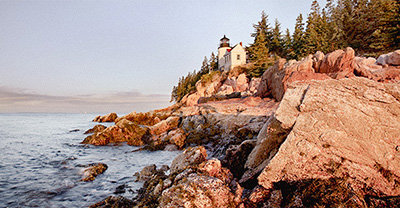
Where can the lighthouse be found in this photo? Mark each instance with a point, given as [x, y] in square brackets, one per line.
[229, 57]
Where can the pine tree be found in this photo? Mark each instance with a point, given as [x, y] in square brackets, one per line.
[262, 38]
[287, 44]
[260, 56]
[213, 63]
[316, 34]
[263, 27]
[277, 41]
[335, 34]
[298, 41]
[205, 67]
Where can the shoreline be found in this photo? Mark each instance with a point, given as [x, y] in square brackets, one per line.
[297, 134]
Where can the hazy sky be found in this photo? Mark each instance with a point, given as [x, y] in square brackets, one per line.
[116, 56]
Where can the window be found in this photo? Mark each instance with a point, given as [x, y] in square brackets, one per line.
[238, 57]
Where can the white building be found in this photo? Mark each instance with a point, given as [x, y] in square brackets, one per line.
[229, 57]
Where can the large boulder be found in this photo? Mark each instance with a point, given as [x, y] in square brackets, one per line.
[207, 184]
[190, 157]
[234, 84]
[177, 137]
[236, 156]
[271, 81]
[304, 65]
[193, 182]
[165, 125]
[200, 191]
[242, 83]
[123, 131]
[339, 63]
[392, 58]
[368, 67]
[276, 78]
[107, 118]
[253, 85]
[148, 118]
[344, 129]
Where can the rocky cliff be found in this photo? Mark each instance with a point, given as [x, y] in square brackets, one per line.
[322, 131]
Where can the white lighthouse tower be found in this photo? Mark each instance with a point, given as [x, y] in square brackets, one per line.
[223, 47]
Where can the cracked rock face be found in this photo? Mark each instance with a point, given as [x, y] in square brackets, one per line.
[348, 128]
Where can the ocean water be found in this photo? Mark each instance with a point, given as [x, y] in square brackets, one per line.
[41, 158]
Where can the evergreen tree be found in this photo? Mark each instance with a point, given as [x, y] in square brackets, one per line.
[260, 56]
[298, 41]
[205, 67]
[316, 34]
[277, 41]
[262, 38]
[287, 44]
[333, 31]
[213, 63]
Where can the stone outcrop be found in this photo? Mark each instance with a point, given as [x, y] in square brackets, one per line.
[165, 125]
[307, 133]
[148, 118]
[193, 182]
[107, 118]
[123, 131]
[276, 78]
[190, 157]
[92, 170]
[338, 64]
[96, 129]
[350, 132]
[222, 86]
[147, 172]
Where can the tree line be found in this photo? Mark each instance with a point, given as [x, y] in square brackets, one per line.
[370, 27]
[187, 84]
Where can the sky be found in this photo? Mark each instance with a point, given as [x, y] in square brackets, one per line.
[119, 56]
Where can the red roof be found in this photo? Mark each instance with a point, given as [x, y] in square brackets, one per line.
[229, 50]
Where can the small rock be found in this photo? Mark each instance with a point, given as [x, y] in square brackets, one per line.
[120, 189]
[146, 173]
[93, 170]
[171, 147]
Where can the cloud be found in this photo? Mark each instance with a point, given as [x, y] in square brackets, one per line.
[20, 100]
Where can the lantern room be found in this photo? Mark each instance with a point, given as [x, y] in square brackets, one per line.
[224, 42]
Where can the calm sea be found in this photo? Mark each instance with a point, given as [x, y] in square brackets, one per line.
[41, 158]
